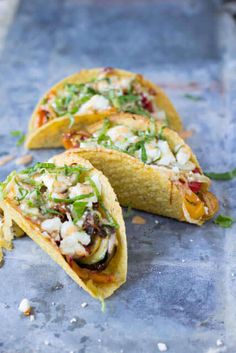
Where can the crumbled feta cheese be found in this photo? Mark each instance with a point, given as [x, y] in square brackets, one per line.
[52, 225]
[71, 245]
[69, 229]
[83, 305]
[153, 151]
[162, 347]
[25, 307]
[124, 83]
[122, 136]
[80, 189]
[33, 211]
[96, 103]
[59, 184]
[73, 320]
[183, 155]
[32, 317]
[175, 169]
[167, 156]
[219, 343]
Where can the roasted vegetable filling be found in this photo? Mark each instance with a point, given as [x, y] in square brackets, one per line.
[152, 148]
[107, 92]
[66, 204]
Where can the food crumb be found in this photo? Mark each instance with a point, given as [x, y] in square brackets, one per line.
[24, 160]
[53, 303]
[183, 260]
[25, 307]
[162, 347]
[32, 317]
[232, 274]
[83, 305]
[99, 340]
[4, 160]
[185, 134]
[219, 343]
[46, 342]
[191, 240]
[138, 220]
[73, 320]
[156, 221]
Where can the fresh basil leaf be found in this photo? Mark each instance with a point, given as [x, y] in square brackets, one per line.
[224, 221]
[222, 176]
[20, 135]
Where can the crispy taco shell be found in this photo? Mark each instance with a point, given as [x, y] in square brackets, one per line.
[49, 134]
[143, 186]
[99, 285]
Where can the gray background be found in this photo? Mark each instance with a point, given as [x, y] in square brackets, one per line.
[181, 283]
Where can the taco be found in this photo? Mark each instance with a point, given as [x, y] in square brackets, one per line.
[94, 93]
[70, 210]
[149, 166]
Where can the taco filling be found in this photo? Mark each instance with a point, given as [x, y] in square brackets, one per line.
[107, 92]
[150, 145]
[66, 205]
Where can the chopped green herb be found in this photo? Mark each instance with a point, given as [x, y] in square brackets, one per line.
[224, 221]
[193, 97]
[112, 221]
[178, 149]
[160, 133]
[143, 153]
[23, 194]
[106, 126]
[72, 200]
[51, 167]
[72, 120]
[128, 212]
[78, 209]
[94, 186]
[51, 211]
[222, 176]
[20, 135]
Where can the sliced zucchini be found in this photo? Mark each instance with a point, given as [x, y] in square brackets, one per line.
[97, 256]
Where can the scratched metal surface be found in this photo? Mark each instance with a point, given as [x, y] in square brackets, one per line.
[181, 285]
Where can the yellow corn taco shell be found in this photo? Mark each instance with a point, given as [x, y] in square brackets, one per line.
[117, 267]
[49, 134]
[145, 187]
